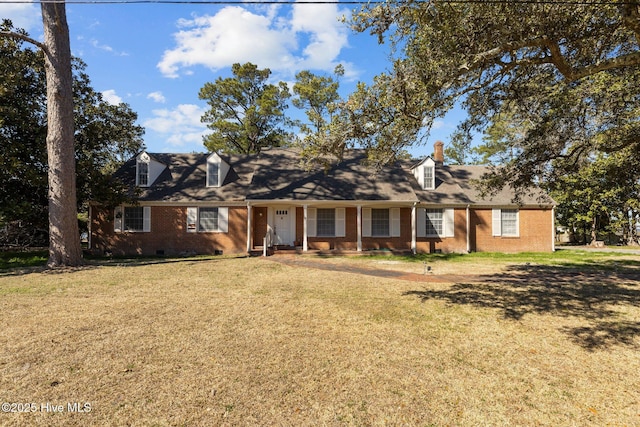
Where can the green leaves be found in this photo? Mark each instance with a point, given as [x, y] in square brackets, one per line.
[564, 75]
[105, 135]
[246, 113]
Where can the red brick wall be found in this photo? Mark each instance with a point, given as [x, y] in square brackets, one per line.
[457, 243]
[535, 232]
[350, 240]
[168, 234]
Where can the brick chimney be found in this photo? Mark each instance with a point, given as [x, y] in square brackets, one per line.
[438, 152]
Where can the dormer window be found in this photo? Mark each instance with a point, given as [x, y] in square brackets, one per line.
[142, 170]
[217, 170]
[213, 174]
[429, 177]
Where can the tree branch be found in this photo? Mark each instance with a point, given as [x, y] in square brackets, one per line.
[555, 56]
[18, 36]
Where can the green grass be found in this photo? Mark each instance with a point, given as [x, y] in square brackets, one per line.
[12, 259]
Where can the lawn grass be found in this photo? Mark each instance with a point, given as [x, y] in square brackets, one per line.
[249, 341]
[14, 259]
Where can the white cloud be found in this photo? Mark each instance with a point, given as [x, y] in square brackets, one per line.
[111, 97]
[181, 127]
[157, 97]
[23, 15]
[438, 124]
[310, 38]
[96, 44]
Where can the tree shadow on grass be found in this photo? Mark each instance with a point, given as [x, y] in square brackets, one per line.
[593, 294]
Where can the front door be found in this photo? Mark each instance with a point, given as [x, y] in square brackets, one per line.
[282, 226]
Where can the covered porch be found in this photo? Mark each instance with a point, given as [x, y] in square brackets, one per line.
[331, 227]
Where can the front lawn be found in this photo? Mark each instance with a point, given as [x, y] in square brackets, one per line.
[249, 341]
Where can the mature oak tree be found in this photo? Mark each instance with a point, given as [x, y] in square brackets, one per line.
[246, 112]
[569, 71]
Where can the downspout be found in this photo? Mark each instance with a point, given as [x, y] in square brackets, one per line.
[468, 229]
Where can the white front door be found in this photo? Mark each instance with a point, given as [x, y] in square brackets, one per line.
[282, 226]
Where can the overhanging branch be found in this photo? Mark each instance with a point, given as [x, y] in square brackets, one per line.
[18, 36]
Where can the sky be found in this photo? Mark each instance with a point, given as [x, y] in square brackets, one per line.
[156, 57]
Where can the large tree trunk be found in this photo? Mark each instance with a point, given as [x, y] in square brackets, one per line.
[64, 237]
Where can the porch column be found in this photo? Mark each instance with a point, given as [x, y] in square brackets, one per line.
[359, 227]
[414, 232]
[305, 243]
[468, 230]
[249, 227]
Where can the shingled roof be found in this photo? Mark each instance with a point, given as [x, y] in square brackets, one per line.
[279, 174]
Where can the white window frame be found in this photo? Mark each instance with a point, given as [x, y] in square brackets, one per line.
[430, 217]
[119, 219]
[319, 220]
[429, 181]
[139, 173]
[210, 164]
[497, 219]
[448, 223]
[394, 222]
[374, 232]
[193, 219]
[339, 225]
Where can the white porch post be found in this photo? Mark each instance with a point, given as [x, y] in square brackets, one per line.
[305, 243]
[359, 227]
[414, 232]
[249, 231]
[468, 230]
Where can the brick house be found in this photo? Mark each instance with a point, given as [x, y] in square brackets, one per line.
[211, 203]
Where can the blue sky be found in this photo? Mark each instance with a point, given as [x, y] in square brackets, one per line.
[156, 57]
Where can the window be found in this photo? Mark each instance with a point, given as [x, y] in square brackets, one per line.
[429, 178]
[509, 222]
[208, 219]
[143, 173]
[326, 222]
[380, 222]
[506, 222]
[213, 174]
[133, 218]
[435, 222]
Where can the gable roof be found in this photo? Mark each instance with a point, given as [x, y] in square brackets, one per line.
[280, 175]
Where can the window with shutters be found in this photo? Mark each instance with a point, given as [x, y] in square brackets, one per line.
[380, 222]
[435, 222]
[326, 223]
[509, 222]
[133, 218]
[208, 219]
